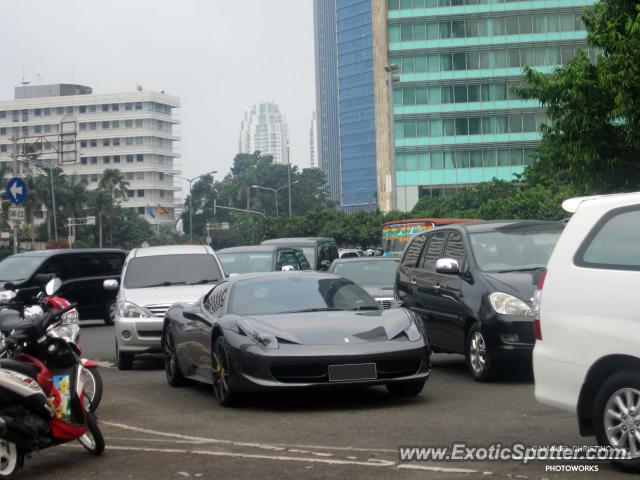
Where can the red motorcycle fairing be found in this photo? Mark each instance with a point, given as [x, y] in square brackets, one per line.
[88, 363]
[65, 432]
[44, 376]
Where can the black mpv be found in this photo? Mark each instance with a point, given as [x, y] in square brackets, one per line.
[472, 284]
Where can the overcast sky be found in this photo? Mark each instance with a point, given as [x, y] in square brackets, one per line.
[218, 56]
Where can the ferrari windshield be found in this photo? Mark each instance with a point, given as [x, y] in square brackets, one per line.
[297, 293]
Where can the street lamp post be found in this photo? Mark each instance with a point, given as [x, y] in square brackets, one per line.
[392, 77]
[190, 181]
[275, 191]
[49, 164]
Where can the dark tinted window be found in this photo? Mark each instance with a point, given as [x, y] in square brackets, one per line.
[368, 273]
[412, 254]
[113, 263]
[60, 266]
[328, 251]
[616, 243]
[215, 299]
[166, 270]
[86, 265]
[434, 250]
[455, 248]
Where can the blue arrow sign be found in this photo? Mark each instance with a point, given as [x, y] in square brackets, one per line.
[16, 190]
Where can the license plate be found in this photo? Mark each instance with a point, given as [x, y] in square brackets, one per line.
[356, 371]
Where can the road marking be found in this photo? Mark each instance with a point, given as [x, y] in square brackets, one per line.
[409, 466]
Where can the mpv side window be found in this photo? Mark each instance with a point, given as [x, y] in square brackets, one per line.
[286, 257]
[113, 263]
[455, 248]
[434, 250]
[58, 265]
[412, 255]
[613, 243]
[86, 265]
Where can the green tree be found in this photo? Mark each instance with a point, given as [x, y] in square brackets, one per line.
[592, 141]
[113, 184]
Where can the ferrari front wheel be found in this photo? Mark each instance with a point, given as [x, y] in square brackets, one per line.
[222, 386]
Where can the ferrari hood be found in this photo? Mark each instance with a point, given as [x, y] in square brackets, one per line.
[329, 328]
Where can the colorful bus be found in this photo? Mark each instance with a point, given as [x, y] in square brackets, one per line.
[396, 234]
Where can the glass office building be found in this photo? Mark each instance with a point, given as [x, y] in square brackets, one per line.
[457, 121]
[356, 104]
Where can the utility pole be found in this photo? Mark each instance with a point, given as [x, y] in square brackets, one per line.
[392, 77]
[289, 177]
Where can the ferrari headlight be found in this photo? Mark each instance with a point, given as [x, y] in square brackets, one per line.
[506, 304]
[267, 341]
[131, 310]
[412, 332]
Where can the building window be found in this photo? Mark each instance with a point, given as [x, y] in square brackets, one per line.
[105, 142]
[47, 128]
[130, 193]
[162, 193]
[92, 125]
[139, 157]
[106, 160]
[128, 141]
[94, 177]
[104, 108]
[128, 106]
[139, 140]
[105, 125]
[115, 107]
[37, 112]
[138, 105]
[129, 158]
[138, 123]
[91, 108]
[128, 123]
[46, 112]
[93, 143]
[93, 160]
[82, 109]
[140, 175]
[140, 193]
[38, 128]
[83, 161]
[129, 175]
[83, 126]
[3, 131]
[140, 210]
[59, 111]
[3, 148]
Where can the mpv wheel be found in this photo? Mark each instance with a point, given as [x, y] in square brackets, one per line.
[124, 360]
[617, 417]
[479, 359]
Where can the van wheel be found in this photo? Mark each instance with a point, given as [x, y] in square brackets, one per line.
[124, 360]
[617, 417]
[110, 315]
[479, 359]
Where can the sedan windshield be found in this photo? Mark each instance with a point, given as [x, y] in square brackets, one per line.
[15, 269]
[369, 273]
[509, 251]
[245, 262]
[297, 293]
[168, 270]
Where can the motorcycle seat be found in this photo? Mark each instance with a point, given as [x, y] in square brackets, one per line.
[19, 367]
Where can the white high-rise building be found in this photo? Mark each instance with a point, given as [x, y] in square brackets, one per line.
[133, 132]
[264, 128]
[313, 141]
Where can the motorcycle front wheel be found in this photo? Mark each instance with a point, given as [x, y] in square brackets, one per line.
[92, 440]
[92, 388]
[10, 459]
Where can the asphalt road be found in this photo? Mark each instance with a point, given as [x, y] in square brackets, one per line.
[154, 431]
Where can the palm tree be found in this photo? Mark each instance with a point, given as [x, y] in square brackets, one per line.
[75, 198]
[32, 204]
[114, 184]
[43, 184]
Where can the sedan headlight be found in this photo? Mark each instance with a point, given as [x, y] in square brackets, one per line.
[131, 310]
[412, 332]
[506, 304]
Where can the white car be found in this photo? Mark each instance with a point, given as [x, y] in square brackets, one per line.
[587, 354]
[153, 279]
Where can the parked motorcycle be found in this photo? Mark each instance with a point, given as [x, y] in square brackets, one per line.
[41, 389]
[69, 329]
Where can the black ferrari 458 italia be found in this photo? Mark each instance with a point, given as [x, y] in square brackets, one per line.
[291, 330]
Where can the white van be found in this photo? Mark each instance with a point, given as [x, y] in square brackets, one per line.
[153, 279]
[587, 320]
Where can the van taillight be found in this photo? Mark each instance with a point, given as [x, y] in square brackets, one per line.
[537, 296]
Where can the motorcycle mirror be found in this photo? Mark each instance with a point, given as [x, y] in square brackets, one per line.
[53, 286]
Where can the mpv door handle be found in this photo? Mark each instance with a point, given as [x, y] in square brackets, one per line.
[413, 282]
[436, 287]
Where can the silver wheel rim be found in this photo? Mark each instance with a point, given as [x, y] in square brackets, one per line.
[88, 441]
[477, 353]
[112, 311]
[170, 356]
[622, 420]
[8, 457]
[89, 387]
